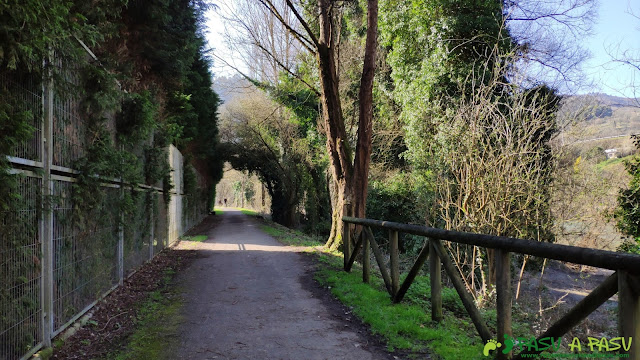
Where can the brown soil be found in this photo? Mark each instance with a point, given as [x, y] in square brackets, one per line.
[563, 285]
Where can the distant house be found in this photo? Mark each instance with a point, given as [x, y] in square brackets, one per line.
[611, 153]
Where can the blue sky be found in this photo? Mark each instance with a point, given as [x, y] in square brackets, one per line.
[616, 30]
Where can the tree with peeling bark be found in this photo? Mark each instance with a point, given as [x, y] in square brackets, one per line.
[349, 169]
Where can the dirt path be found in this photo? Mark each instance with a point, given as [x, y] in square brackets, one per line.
[246, 298]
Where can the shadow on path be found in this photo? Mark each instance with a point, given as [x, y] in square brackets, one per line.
[244, 299]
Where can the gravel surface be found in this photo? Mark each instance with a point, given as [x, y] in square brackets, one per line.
[248, 297]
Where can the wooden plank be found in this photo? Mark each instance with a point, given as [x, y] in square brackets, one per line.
[503, 300]
[592, 257]
[366, 277]
[346, 239]
[586, 306]
[415, 269]
[435, 277]
[380, 260]
[629, 310]
[394, 259]
[466, 298]
[356, 249]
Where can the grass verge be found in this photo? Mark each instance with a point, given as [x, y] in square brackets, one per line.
[290, 237]
[194, 238]
[406, 326]
[249, 212]
[156, 325]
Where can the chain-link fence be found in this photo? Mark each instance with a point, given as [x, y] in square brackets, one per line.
[58, 258]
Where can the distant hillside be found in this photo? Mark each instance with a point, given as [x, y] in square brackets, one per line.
[615, 101]
[595, 116]
[229, 87]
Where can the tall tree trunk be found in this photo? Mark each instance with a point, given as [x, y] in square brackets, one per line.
[365, 115]
[337, 142]
[351, 179]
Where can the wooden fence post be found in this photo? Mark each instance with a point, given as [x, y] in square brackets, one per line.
[365, 257]
[346, 237]
[435, 276]
[395, 266]
[503, 300]
[629, 310]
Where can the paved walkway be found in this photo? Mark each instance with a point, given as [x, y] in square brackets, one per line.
[244, 299]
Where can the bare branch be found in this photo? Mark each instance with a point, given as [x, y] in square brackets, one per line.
[308, 44]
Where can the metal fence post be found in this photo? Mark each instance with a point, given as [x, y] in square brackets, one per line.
[120, 250]
[46, 221]
[152, 223]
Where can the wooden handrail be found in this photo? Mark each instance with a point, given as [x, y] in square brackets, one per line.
[574, 254]
[625, 281]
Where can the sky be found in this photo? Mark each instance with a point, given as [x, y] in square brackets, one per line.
[615, 30]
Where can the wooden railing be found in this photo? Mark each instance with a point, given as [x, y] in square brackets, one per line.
[625, 280]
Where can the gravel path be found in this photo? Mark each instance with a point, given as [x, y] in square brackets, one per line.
[246, 298]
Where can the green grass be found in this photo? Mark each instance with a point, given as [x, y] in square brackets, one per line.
[156, 326]
[218, 211]
[291, 237]
[405, 326]
[249, 212]
[195, 238]
[611, 162]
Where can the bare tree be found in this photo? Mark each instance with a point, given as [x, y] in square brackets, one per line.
[495, 161]
[259, 39]
[629, 58]
[349, 169]
[550, 34]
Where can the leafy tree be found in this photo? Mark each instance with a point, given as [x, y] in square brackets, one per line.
[628, 212]
[476, 135]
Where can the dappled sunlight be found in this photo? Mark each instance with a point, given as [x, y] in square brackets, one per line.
[231, 247]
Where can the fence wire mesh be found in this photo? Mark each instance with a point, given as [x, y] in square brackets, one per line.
[68, 126]
[137, 234]
[161, 228]
[84, 252]
[20, 276]
[84, 237]
[24, 92]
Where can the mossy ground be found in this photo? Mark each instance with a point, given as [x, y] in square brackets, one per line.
[156, 326]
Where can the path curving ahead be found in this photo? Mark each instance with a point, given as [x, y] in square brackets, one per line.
[246, 298]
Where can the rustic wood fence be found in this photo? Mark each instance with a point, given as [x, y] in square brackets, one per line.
[625, 281]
